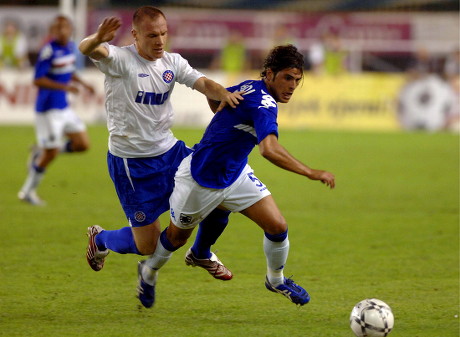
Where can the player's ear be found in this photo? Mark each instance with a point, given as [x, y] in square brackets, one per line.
[269, 74]
[134, 34]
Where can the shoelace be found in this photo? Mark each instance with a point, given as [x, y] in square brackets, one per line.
[290, 282]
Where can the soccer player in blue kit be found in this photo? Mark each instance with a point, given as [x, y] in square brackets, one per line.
[217, 175]
[143, 153]
[55, 76]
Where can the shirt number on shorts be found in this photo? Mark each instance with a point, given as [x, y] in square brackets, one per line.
[255, 179]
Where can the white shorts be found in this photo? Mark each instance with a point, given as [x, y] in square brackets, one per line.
[190, 203]
[52, 125]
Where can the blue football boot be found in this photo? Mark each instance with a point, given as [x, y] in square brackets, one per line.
[145, 291]
[294, 292]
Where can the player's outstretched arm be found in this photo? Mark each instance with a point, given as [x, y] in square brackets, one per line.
[91, 45]
[214, 91]
[274, 152]
[213, 105]
[48, 83]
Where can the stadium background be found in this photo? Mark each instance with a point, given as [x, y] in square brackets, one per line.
[389, 230]
[380, 43]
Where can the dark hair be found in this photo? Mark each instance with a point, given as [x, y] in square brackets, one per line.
[149, 11]
[283, 57]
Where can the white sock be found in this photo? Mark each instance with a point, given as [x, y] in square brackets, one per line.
[149, 275]
[32, 181]
[276, 254]
[159, 258]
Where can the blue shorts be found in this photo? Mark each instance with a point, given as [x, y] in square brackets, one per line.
[144, 185]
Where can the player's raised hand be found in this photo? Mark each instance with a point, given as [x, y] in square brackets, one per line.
[231, 98]
[108, 28]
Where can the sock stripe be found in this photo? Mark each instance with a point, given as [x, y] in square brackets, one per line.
[166, 243]
[38, 169]
[277, 237]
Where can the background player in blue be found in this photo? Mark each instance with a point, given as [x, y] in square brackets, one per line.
[216, 174]
[143, 152]
[55, 77]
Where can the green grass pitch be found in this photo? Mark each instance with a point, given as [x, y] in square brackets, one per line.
[390, 230]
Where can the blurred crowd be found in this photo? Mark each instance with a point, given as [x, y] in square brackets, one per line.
[13, 47]
[432, 80]
[327, 55]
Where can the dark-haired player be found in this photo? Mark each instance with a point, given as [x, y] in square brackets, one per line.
[217, 174]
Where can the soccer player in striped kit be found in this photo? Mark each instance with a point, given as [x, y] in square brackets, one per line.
[55, 77]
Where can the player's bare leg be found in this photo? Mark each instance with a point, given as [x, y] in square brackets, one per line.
[78, 141]
[47, 156]
[266, 214]
[146, 237]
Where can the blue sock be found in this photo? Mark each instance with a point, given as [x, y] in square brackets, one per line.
[38, 169]
[166, 243]
[160, 256]
[120, 241]
[277, 237]
[67, 147]
[208, 232]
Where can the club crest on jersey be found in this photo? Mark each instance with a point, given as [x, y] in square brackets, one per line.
[139, 216]
[168, 76]
[246, 87]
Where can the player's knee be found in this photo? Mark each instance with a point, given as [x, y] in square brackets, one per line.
[277, 226]
[78, 142]
[81, 146]
[84, 147]
[275, 230]
[177, 237]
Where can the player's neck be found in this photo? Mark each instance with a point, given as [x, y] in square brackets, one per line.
[267, 85]
[61, 42]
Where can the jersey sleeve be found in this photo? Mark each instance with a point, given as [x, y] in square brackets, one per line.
[185, 73]
[113, 64]
[43, 64]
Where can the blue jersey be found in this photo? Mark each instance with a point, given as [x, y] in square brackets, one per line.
[58, 64]
[223, 151]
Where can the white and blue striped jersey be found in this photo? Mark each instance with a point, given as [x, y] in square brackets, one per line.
[138, 105]
[56, 62]
[222, 153]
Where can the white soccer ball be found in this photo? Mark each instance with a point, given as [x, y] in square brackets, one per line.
[371, 318]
